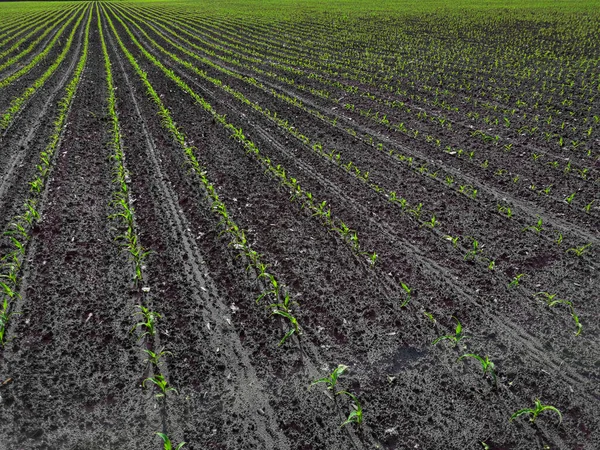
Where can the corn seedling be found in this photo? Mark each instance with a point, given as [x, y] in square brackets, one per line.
[4, 318]
[408, 291]
[471, 254]
[515, 281]
[551, 303]
[454, 240]
[154, 357]
[274, 290]
[559, 239]
[537, 227]
[535, 411]
[331, 380]
[432, 223]
[295, 328]
[456, 338]
[167, 442]
[355, 416]
[162, 384]
[570, 198]
[578, 251]
[486, 364]
[149, 323]
[588, 207]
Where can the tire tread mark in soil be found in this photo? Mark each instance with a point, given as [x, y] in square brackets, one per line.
[206, 294]
[527, 340]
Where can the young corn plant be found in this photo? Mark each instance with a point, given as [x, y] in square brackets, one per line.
[486, 364]
[578, 251]
[162, 384]
[456, 338]
[4, 318]
[551, 303]
[472, 254]
[154, 357]
[432, 222]
[355, 416]
[149, 321]
[570, 198]
[537, 227]
[295, 329]
[515, 281]
[408, 292]
[331, 380]
[454, 240]
[535, 411]
[168, 445]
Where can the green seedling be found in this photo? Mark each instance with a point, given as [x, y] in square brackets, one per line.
[154, 357]
[570, 198]
[408, 291]
[331, 380]
[578, 251]
[372, 258]
[4, 318]
[515, 281]
[534, 412]
[492, 265]
[149, 323]
[486, 364]
[454, 240]
[162, 384]
[505, 210]
[293, 321]
[471, 254]
[559, 239]
[356, 415]
[167, 442]
[537, 227]
[273, 290]
[588, 207]
[429, 316]
[416, 212]
[456, 338]
[432, 222]
[549, 297]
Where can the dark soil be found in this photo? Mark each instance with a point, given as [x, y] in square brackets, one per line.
[71, 375]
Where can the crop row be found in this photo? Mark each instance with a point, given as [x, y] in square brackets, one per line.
[474, 248]
[21, 227]
[486, 364]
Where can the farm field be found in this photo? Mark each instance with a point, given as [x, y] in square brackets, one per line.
[299, 225]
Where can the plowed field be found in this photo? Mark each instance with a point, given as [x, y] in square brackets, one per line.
[207, 207]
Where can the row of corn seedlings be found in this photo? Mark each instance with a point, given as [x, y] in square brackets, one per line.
[23, 23]
[46, 25]
[21, 227]
[450, 179]
[352, 89]
[17, 103]
[275, 292]
[147, 326]
[316, 207]
[474, 250]
[356, 415]
[6, 81]
[349, 88]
